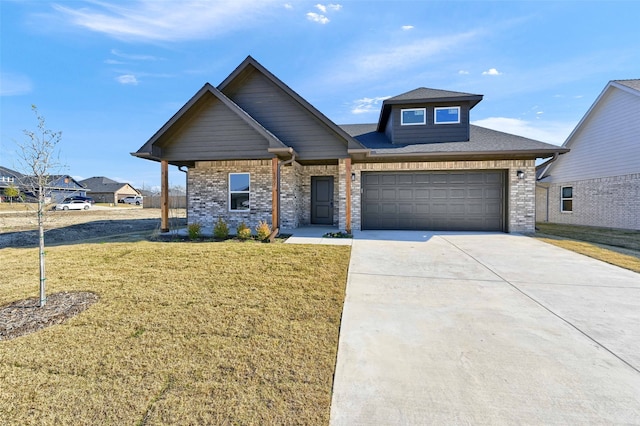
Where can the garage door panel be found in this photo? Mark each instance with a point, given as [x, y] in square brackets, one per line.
[457, 201]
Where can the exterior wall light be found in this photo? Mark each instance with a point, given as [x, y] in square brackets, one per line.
[520, 174]
[353, 177]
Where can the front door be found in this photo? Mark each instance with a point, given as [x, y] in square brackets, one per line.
[322, 200]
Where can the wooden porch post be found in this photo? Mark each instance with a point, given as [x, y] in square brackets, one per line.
[347, 164]
[164, 196]
[275, 195]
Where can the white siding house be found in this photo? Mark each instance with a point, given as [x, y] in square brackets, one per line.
[597, 183]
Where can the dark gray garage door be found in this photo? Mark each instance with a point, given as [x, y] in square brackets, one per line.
[438, 201]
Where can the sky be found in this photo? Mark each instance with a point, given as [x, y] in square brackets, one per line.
[108, 74]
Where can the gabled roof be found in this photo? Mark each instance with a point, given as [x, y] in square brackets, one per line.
[631, 86]
[146, 151]
[250, 64]
[482, 142]
[102, 184]
[424, 95]
[57, 182]
[4, 171]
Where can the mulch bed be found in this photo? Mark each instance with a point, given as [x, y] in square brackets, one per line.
[25, 316]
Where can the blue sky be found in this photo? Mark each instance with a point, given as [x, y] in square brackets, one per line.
[109, 74]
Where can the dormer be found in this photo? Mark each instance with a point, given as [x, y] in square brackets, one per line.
[427, 116]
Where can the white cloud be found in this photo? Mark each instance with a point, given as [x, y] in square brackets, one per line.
[14, 84]
[407, 27]
[463, 72]
[134, 57]
[335, 7]
[127, 79]
[491, 71]
[554, 132]
[380, 61]
[366, 105]
[113, 62]
[315, 17]
[322, 8]
[151, 20]
[288, 6]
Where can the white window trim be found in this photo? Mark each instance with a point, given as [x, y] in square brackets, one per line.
[562, 199]
[435, 115]
[424, 117]
[229, 192]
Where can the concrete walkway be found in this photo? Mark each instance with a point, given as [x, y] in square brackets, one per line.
[463, 328]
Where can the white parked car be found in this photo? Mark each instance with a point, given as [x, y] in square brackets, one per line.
[132, 199]
[73, 205]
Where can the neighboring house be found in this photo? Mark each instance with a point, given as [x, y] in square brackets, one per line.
[598, 182]
[59, 186]
[105, 190]
[254, 150]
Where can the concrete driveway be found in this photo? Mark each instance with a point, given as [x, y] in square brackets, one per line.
[453, 328]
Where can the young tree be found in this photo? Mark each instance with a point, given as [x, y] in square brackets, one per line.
[38, 155]
[11, 192]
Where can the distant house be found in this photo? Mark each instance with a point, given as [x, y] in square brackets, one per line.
[58, 187]
[9, 178]
[105, 190]
[598, 182]
[254, 150]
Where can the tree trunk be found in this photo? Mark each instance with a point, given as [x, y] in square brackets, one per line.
[41, 205]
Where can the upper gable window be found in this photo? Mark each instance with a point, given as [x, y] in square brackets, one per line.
[413, 116]
[446, 115]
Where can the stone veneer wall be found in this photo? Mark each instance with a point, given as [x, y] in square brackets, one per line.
[520, 215]
[291, 195]
[610, 202]
[208, 184]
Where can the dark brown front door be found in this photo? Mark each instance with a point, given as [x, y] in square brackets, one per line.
[322, 200]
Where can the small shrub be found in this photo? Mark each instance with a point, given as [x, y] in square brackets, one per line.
[221, 229]
[243, 231]
[263, 230]
[194, 231]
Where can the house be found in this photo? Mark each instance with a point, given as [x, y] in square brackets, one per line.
[58, 186]
[105, 190]
[598, 182]
[254, 150]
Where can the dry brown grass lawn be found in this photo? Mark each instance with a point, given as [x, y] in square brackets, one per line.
[183, 333]
[597, 252]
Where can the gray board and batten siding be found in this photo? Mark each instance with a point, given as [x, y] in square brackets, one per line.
[429, 132]
[210, 130]
[288, 120]
[451, 201]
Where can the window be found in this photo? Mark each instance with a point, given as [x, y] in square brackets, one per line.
[413, 117]
[238, 191]
[566, 199]
[447, 115]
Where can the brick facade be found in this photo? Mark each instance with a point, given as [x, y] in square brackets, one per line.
[208, 190]
[610, 202]
[208, 184]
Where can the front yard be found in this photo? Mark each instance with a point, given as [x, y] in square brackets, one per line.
[183, 333]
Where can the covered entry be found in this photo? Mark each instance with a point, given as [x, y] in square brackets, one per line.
[438, 201]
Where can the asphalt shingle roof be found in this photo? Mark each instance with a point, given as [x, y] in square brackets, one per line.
[423, 93]
[633, 84]
[481, 140]
[102, 184]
